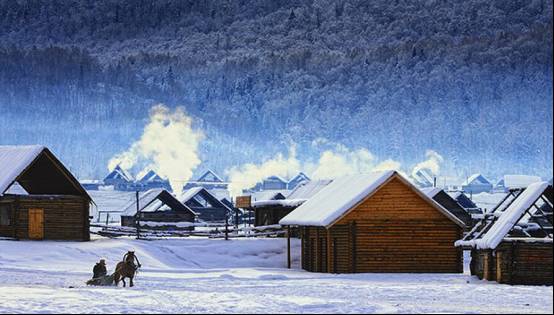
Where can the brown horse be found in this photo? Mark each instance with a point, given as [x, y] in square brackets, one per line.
[126, 269]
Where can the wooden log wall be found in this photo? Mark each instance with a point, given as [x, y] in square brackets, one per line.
[393, 231]
[524, 263]
[65, 217]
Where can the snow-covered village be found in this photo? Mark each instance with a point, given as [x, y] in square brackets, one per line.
[262, 156]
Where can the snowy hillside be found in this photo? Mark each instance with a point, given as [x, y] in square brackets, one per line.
[240, 276]
[471, 80]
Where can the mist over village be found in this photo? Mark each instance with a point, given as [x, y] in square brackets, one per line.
[302, 156]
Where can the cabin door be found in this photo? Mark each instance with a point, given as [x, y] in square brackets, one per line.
[36, 224]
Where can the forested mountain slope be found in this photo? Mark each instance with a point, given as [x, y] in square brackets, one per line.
[470, 79]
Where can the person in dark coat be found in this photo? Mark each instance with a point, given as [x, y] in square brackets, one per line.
[99, 269]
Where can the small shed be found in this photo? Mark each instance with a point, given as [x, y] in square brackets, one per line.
[510, 245]
[208, 207]
[51, 204]
[447, 202]
[378, 222]
[159, 209]
[271, 211]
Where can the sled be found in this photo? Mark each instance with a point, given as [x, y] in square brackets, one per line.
[102, 281]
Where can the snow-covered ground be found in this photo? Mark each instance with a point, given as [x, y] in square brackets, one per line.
[196, 275]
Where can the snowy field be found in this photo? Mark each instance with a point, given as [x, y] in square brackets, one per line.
[195, 275]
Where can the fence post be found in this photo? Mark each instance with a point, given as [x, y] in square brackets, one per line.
[288, 247]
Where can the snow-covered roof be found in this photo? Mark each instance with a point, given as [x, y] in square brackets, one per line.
[343, 194]
[13, 161]
[519, 181]
[193, 192]
[276, 178]
[189, 194]
[151, 176]
[269, 195]
[119, 173]
[282, 202]
[206, 177]
[300, 177]
[431, 192]
[307, 190]
[476, 179]
[145, 200]
[508, 218]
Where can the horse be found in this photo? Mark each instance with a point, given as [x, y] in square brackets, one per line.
[126, 269]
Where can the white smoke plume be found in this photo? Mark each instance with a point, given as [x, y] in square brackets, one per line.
[331, 163]
[169, 146]
[432, 163]
[248, 175]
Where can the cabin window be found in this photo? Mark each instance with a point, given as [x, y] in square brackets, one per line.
[5, 215]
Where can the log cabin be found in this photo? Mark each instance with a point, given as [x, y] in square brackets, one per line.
[50, 204]
[512, 244]
[377, 222]
[158, 209]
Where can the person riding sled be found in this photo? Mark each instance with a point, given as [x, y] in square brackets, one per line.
[100, 274]
[99, 269]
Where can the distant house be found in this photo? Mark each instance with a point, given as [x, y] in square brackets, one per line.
[208, 207]
[476, 184]
[151, 180]
[508, 182]
[297, 180]
[509, 245]
[209, 180]
[450, 204]
[423, 178]
[158, 209]
[274, 183]
[377, 222]
[49, 202]
[119, 178]
[271, 210]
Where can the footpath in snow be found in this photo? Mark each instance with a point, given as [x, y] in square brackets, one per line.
[238, 276]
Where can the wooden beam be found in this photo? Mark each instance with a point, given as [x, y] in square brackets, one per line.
[329, 254]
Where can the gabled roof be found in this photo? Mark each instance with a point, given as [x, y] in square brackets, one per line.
[153, 200]
[119, 173]
[151, 176]
[210, 176]
[423, 178]
[476, 179]
[431, 192]
[463, 199]
[276, 178]
[300, 177]
[490, 232]
[343, 194]
[308, 189]
[37, 171]
[189, 196]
